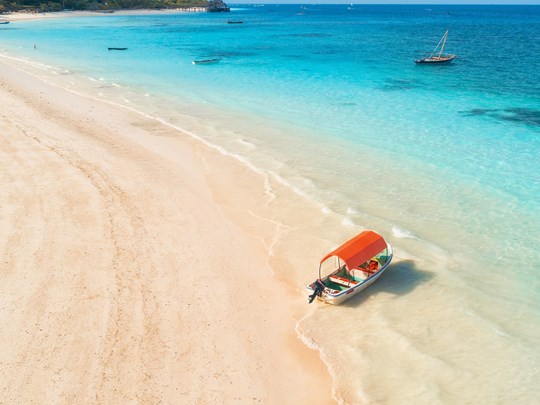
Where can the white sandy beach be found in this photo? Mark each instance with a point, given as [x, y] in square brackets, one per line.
[22, 16]
[123, 276]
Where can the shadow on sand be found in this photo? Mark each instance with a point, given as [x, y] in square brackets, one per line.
[399, 279]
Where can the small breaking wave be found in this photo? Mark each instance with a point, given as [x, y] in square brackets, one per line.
[402, 233]
[246, 144]
[309, 342]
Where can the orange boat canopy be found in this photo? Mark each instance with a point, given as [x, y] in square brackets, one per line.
[359, 249]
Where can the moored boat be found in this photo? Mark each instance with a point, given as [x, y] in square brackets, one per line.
[206, 61]
[359, 262]
[436, 59]
[116, 49]
[440, 58]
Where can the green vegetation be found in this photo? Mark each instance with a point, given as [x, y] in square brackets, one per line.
[95, 5]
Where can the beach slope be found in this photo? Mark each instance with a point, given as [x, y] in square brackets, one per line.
[121, 279]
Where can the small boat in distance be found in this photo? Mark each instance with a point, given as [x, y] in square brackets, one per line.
[234, 22]
[359, 263]
[440, 58]
[206, 61]
[117, 49]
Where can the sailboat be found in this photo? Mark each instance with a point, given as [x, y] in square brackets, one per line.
[440, 58]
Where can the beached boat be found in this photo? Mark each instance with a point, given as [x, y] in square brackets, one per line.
[4, 22]
[206, 61]
[358, 263]
[440, 58]
[116, 49]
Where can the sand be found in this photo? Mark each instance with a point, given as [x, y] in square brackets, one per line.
[122, 277]
[21, 15]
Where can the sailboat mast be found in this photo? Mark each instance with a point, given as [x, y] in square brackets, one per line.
[444, 42]
[435, 50]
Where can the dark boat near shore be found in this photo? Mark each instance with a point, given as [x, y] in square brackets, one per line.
[4, 22]
[440, 58]
[117, 49]
[206, 61]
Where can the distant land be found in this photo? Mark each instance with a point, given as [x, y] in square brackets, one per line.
[7, 6]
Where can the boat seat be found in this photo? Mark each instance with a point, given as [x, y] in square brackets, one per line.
[360, 275]
[343, 281]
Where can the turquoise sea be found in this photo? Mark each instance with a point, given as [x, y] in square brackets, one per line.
[444, 161]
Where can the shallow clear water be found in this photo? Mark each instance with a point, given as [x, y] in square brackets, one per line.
[442, 160]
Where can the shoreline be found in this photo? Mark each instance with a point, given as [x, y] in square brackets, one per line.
[113, 192]
[25, 16]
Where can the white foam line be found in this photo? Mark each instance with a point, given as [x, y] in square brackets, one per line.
[322, 354]
[268, 191]
[295, 189]
[280, 228]
[39, 65]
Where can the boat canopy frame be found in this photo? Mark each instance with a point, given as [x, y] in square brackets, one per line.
[357, 250]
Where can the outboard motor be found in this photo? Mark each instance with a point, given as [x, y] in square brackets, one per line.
[317, 291]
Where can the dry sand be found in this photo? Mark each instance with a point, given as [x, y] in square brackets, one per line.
[121, 277]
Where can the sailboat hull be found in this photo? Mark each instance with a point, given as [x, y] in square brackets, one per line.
[436, 60]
